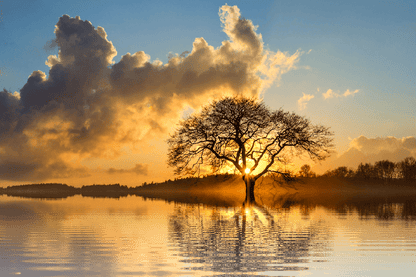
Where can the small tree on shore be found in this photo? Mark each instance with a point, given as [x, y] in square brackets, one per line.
[305, 171]
[243, 134]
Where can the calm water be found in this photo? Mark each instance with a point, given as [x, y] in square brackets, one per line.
[132, 237]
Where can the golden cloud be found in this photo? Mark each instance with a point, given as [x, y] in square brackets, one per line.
[90, 106]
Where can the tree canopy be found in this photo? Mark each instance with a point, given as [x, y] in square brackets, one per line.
[244, 134]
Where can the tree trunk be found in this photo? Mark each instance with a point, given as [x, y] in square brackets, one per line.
[250, 183]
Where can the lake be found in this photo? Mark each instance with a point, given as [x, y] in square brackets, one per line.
[132, 236]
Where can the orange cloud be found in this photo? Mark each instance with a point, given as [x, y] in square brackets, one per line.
[90, 106]
[331, 94]
[303, 101]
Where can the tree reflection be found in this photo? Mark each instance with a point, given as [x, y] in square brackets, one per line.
[381, 208]
[244, 239]
[386, 210]
[408, 211]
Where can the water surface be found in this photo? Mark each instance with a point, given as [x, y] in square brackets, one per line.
[83, 236]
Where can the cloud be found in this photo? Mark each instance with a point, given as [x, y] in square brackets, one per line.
[303, 101]
[348, 92]
[50, 45]
[139, 169]
[372, 146]
[88, 105]
[331, 94]
[9, 107]
[371, 150]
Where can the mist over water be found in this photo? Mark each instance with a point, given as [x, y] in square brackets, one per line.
[82, 236]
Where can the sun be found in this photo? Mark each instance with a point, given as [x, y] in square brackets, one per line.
[247, 170]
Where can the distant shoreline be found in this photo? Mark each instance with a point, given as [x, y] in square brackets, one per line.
[229, 190]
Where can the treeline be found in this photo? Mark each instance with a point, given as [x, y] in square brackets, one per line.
[57, 190]
[41, 186]
[43, 190]
[111, 190]
[385, 170]
[188, 180]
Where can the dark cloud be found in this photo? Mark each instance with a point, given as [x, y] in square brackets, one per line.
[82, 63]
[139, 169]
[89, 106]
[9, 111]
[38, 168]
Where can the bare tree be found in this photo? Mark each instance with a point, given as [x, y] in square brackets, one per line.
[305, 171]
[243, 134]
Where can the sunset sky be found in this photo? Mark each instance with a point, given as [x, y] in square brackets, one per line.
[93, 88]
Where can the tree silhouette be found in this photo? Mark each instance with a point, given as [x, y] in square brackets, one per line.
[305, 171]
[385, 169]
[340, 172]
[243, 134]
[366, 171]
[407, 168]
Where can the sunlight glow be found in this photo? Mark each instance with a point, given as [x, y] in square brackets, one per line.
[247, 170]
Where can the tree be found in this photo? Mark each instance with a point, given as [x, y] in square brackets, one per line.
[407, 168]
[340, 172]
[243, 134]
[365, 171]
[385, 169]
[305, 171]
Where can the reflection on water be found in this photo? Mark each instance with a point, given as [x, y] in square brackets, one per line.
[246, 239]
[132, 237]
[36, 241]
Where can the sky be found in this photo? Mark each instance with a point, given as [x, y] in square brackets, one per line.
[91, 90]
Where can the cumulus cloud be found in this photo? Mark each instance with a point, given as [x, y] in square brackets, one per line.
[371, 150]
[303, 101]
[375, 146]
[9, 107]
[90, 106]
[139, 169]
[331, 94]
